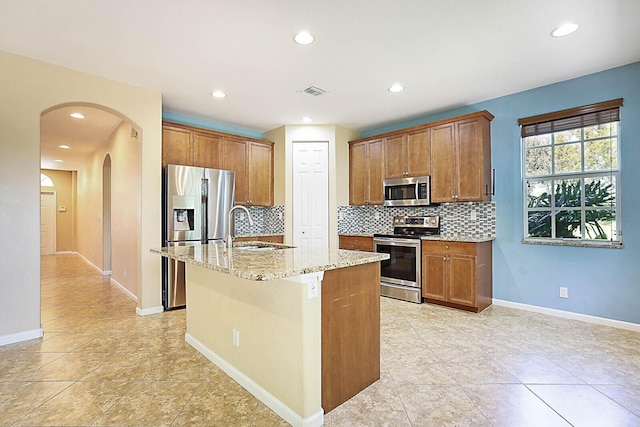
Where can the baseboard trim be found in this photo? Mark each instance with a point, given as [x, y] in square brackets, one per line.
[149, 311]
[21, 336]
[106, 273]
[126, 291]
[85, 259]
[288, 414]
[66, 253]
[570, 315]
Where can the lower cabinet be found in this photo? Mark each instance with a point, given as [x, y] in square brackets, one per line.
[457, 274]
[356, 243]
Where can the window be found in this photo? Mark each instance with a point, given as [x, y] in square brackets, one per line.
[45, 181]
[572, 174]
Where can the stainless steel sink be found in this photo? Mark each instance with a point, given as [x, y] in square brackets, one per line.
[256, 248]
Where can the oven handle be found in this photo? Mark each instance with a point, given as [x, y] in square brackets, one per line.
[414, 243]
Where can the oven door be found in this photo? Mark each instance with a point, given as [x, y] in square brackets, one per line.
[400, 275]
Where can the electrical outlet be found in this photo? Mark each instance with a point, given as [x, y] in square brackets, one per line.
[340, 216]
[564, 292]
[236, 338]
[473, 215]
[376, 215]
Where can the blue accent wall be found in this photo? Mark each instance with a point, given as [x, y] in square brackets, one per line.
[602, 282]
[210, 124]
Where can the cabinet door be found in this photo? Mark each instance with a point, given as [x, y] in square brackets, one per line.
[442, 163]
[433, 275]
[260, 174]
[235, 158]
[207, 150]
[395, 157]
[375, 153]
[462, 279]
[418, 153]
[358, 170]
[176, 146]
[469, 168]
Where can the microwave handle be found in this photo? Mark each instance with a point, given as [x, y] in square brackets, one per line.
[417, 189]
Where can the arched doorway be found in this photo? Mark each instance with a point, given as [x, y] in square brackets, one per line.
[103, 149]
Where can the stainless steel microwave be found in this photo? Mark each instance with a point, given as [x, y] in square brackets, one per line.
[414, 191]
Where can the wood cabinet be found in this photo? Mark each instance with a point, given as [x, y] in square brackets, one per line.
[456, 153]
[268, 239]
[251, 159]
[253, 163]
[408, 154]
[366, 172]
[185, 145]
[457, 274]
[461, 159]
[356, 243]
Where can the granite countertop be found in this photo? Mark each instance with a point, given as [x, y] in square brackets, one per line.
[458, 238]
[284, 261]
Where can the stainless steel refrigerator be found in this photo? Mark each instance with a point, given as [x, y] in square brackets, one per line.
[196, 204]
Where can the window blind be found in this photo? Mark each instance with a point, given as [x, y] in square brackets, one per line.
[573, 118]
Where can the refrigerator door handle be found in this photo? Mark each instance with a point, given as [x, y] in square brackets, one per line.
[204, 192]
[175, 281]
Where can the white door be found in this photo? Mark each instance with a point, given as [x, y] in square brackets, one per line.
[47, 223]
[311, 194]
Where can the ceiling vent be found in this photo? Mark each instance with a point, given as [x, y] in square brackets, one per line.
[312, 90]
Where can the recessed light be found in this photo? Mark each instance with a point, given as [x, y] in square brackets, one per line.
[58, 160]
[395, 88]
[64, 146]
[303, 37]
[77, 115]
[307, 119]
[565, 29]
[218, 94]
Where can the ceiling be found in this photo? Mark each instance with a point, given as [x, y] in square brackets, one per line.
[446, 53]
[82, 136]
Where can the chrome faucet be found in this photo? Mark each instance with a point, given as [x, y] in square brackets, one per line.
[229, 237]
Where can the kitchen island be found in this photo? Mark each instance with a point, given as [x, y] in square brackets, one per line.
[299, 328]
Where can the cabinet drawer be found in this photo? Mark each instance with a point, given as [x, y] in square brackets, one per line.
[356, 243]
[462, 248]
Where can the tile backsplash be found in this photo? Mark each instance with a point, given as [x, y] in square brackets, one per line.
[455, 218]
[266, 220]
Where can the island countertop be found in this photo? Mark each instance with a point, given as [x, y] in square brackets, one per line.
[261, 265]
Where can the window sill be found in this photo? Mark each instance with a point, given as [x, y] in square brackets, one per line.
[574, 243]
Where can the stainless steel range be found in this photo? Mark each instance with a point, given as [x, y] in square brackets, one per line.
[401, 275]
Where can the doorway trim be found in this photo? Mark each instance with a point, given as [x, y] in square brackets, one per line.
[106, 216]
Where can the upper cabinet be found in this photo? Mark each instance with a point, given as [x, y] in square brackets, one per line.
[456, 153]
[366, 172]
[251, 159]
[408, 154]
[461, 159]
[253, 163]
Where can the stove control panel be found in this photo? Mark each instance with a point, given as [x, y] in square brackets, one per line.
[416, 221]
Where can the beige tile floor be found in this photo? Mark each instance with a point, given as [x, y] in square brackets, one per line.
[101, 365]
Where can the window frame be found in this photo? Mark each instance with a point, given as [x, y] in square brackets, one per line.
[554, 177]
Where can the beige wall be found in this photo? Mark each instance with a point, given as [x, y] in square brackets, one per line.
[64, 186]
[278, 136]
[27, 89]
[124, 152]
[337, 138]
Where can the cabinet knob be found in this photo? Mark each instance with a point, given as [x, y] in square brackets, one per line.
[446, 246]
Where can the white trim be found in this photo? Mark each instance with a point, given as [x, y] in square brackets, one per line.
[126, 291]
[92, 264]
[66, 253]
[569, 315]
[149, 311]
[21, 336]
[288, 414]
[106, 273]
